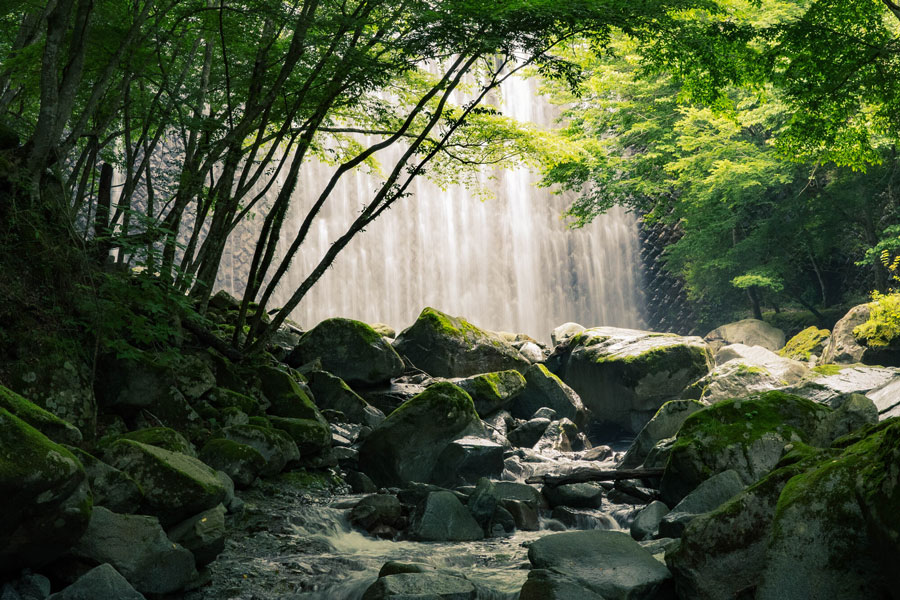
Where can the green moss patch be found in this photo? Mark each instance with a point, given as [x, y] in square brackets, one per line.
[806, 343]
[46, 422]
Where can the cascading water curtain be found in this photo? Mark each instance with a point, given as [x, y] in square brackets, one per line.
[507, 263]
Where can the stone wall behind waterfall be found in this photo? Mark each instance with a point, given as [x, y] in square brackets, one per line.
[507, 263]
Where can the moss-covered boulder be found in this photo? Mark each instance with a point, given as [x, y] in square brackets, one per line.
[221, 398]
[493, 391]
[832, 384]
[405, 447]
[747, 435]
[623, 376]
[750, 332]
[664, 424]
[161, 437]
[808, 344]
[331, 392]
[287, 397]
[743, 370]
[445, 346]
[110, 487]
[241, 462]
[275, 446]
[836, 530]
[45, 502]
[53, 427]
[312, 437]
[543, 389]
[350, 349]
[175, 485]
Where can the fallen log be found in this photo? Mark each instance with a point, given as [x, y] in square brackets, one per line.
[585, 474]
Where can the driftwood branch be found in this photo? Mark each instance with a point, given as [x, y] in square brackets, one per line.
[584, 474]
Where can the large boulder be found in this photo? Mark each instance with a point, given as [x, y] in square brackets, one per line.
[750, 332]
[809, 344]
[331, 392]
[626, 571]
[544, 389]
[58, 430]
[466, 460]
[446, 346]
[45, 502]
[110, 487]
[175, 485]
[664, 424]
[242, 463]
[843, 347]
[433, 586]
[287, 397]
[493, 391]
[350, 349]
[138, 548]
[276, 447]
[161, 437]
[708, 496]
[311, 436]
[441, 517]
[203, 534]
[832, 384]
[747, 435]
[100, 582]
[406, 446]
[623, 376]
[743, 370]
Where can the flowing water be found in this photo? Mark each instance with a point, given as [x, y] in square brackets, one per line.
[506, 263]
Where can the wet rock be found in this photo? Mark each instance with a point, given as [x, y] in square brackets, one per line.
[421, 585]
[747, 435]
[445, 346]
[349, 349]
[708, 496]
[203, 534]
[360, 483]
[275, 446]
[44, 496]
[483, 503]
[543, 584]
[750, 332]
[110, 487]
[242, 463]
[623, 376]
[466, 460]
[628, 570]
[647, 520]
[664, 424]
[599, 453]
[175, 485]
[406, 446]
[58, 430]
[375, 510]
[100, 582]
[544, 389]
[137, 547]
[492, 391]
[331, 392]
[525, 515]
[527, 434]
[575, 495]
[443, 518]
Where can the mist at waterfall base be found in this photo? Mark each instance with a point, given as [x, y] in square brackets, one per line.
[507, 263]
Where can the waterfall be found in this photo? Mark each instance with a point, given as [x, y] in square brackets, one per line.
[507, 263]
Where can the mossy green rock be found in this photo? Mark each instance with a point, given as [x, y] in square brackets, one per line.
[810, 342]
[492, 391]
[286, 396]
[406, 445]
[332, 392]
[445, 346]
[221, 398]
[623, 376]
[45, 502]
[241, 462]
[312, 437]
[350, 349]
[745, 434]
[175, 485]
[53, 427]
[161, 437]
[275, 446]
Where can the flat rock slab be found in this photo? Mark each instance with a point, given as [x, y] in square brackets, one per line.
[608, 563]
[430, 586]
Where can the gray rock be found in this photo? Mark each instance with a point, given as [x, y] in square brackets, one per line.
[527, 434]
[575, 495]
[100, 582]
[708, 496]
[492, 391]
[543, 584]
[855, 412]
[445, 346]
[331, 392]
[843, 348]
[483, 503]
[110, 487]
[443, 518]
[349, 349]
[887, 399]
[561, 436]
[623, 376]
[646, 522]
[628, 572]
[58, 430]
[375, 510]
[835, 383]
[743, 370]
[242, 463]
[544, 389]
[360, 483]
[664, 424]
[407, 445]
[31, 586]
[750, 332]
[466, 460]
[532, 352]
[275, 446]
[202, 534]
[565, 332]
[427, 586]
[138, 549]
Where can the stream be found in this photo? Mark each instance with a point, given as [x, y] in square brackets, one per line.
[293, 544]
